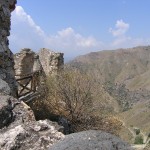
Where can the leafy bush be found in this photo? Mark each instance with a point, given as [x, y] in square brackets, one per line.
[137, 131]
[138, 140]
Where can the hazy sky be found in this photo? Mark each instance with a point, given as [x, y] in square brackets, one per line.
[76, 27]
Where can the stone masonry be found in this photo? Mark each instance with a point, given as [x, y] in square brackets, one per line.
[6, 56]
[26, 62]
[52, 62]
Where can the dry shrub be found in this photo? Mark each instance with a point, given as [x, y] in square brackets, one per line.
[107, 124]
[70, 94]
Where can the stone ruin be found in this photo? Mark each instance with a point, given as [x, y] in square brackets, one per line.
[52, 62]
[27, 62]
[24, 62]
[31, 70]
[18, 128]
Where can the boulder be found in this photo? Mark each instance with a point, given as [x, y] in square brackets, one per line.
[91, 140]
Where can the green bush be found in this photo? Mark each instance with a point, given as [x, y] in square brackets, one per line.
[137, 131]
[138, 140]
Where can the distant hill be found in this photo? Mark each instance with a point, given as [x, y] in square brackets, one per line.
[124, 75]
[129, 67]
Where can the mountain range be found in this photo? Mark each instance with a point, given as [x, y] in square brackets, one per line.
[124, 76]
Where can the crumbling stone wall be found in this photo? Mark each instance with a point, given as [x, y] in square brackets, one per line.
[27, 62]
[52, 62]
[24, 61]
[6, 56]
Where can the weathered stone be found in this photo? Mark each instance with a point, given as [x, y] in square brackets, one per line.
[91, 140]
[18, 127]
[4, 87]
[66, 124]
[52, 62]
[37, 64]
[27, 63]
[20, 131]
[38, 135]
[24, 62]
[7, 105]
[6, 56]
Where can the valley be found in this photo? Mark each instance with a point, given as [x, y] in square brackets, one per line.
[124, 75]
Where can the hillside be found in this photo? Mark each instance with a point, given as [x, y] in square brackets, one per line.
[124, 75]
[128, 68]
[120, 66]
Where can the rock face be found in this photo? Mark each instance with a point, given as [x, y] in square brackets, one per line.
[20, 131]
[91, 140]
[52, 62]
[6, 113]
[4, 87]
[6, 56]
[18, 128]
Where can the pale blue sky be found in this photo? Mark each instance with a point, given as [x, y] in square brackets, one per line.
[77, 27]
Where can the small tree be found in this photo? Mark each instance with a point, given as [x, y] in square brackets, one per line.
[70, 94]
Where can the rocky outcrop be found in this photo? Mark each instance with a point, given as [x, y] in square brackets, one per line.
[91, 140]
[4, 87]
[38, 135]
[6, 56]
[20, 131]
[6, 114]
[18, 128]
[52, 62]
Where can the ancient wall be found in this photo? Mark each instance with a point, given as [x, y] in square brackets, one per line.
[52, 62]
[6, 56]
[27, 62]
[24, 61]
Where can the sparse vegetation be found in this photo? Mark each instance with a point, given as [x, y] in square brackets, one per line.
[138, 139]
[71, 94]
[137, 131]
[124, 75]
